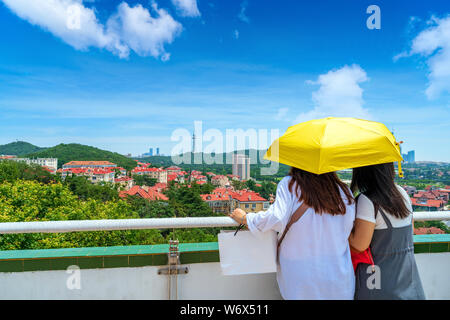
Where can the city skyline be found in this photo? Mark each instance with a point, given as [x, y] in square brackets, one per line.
[239, 64]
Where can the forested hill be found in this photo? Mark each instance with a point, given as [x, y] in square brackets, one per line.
[19, 148]
[79, 152]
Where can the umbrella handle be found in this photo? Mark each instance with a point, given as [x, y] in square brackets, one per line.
[400, 171]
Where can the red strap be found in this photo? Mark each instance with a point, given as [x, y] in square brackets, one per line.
[294, 218]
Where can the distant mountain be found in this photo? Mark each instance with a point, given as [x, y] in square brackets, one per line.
[79, 152]
[19, 148]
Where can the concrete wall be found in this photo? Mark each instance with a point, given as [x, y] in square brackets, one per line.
[434, 270]
[204, 281]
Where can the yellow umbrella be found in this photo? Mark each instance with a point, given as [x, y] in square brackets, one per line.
[331, 144]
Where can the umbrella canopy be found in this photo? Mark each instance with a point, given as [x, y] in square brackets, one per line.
[331, 144]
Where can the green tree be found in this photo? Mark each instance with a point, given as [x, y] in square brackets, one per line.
[12, 170]
[84, 189]
[144, 180]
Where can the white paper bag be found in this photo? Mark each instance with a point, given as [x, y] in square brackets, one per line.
[246, 253]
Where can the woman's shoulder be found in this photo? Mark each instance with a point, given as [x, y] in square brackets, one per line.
[364, 201]
[283, 184]
[285, 181]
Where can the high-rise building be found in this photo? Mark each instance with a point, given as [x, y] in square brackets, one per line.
[157, 151]
[411, 156]
[151, 152]
[241, 166]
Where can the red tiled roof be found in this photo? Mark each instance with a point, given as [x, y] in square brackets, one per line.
[47, 169]
[123, 179]
[217, 177]
[75, 170]
[431, 230]
[172, 176]
[429, 203]
[160, 185]
[89, 163]
[241, 195]
[95, 171]
[215, 197]
[151, 194]
[145, 169]
[248, 196]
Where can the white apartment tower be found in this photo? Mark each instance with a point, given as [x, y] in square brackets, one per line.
[241, 166]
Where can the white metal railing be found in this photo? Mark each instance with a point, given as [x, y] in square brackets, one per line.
[155, 223]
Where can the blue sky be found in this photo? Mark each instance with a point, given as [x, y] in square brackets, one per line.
[123, 82]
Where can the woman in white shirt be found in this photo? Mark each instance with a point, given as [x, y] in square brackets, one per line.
[314, 257]
[384, 222]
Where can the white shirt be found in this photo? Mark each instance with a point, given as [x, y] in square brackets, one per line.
[366, 211]
[314, 257]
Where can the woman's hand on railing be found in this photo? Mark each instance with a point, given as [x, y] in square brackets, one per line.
[239, 216]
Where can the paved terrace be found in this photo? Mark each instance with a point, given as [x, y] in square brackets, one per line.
[137, 272]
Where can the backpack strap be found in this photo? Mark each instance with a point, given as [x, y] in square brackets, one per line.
[294, 218]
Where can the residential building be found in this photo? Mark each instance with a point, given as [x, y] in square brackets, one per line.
[220, 181]
[173, 169]
[197, 177]
[95, 175]
[251, 201]
[241, 166]
[409, 190]
[225, 200]
[159, 174]
[125, 182]
[221, 200]
[431, 199]
[88, 164]
[50, 163]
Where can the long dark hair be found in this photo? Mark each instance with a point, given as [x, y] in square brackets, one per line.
[377, 183]
[320, 191]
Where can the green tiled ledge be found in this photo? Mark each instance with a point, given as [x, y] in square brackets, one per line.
[431, 243]
[104, 257]
[147, 255]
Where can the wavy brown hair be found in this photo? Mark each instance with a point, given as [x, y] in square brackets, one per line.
[320, 191]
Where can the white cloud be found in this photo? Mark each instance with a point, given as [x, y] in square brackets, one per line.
[186, 8]
[242, 16]
[56, 16]
[339, 95]
[135, 28]
[434, 43]
[130, 28]
[236, 34]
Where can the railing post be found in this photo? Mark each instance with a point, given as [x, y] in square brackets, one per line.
[173, 269]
